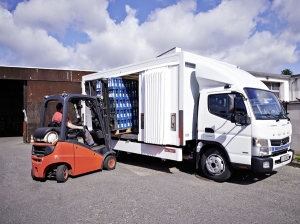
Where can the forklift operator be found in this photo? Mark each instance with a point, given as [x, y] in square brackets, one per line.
[57, 117]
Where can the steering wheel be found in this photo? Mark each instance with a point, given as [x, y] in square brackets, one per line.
[79, 123]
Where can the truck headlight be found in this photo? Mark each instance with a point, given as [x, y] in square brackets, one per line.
[51, 137]
[262, 144]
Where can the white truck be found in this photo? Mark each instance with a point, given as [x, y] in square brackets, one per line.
[193, 107]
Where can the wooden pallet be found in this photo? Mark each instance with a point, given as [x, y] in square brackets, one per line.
[118, 132]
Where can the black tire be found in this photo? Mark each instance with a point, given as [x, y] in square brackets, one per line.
[215, 165]
[110, 162]
[32, 176]
[62, 173]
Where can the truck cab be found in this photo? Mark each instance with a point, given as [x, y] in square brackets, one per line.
[242, 127]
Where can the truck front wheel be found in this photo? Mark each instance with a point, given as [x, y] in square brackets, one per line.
[62, 173]
[215, 166]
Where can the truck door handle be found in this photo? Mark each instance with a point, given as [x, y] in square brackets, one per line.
[209, 130]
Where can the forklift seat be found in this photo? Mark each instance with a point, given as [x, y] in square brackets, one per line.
[54, 124]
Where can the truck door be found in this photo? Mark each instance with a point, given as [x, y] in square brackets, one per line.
[218, 128]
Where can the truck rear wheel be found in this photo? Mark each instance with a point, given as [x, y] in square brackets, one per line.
[214, 165]
[62, 173]
[110, 162]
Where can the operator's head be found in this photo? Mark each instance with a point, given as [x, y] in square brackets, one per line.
[59, 106]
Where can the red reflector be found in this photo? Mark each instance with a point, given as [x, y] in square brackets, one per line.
[243, 167]
[170, 150]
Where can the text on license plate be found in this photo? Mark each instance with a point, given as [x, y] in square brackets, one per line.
[284, 158]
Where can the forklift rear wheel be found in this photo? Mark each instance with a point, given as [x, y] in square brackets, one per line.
[110, 163]
[62, 173]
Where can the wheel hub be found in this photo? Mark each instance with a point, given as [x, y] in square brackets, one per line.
[215, 164]
[111, 162]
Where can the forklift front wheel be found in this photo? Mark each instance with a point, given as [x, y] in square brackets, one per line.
[62, 173]
[110, 163]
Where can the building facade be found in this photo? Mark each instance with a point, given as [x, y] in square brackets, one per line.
[22, 91]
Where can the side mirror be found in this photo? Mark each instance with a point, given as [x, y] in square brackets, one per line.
[231, 103]
[232, 107]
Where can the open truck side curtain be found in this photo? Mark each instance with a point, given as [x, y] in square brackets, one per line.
[193, 107]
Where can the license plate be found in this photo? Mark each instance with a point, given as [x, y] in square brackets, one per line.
[284, 158]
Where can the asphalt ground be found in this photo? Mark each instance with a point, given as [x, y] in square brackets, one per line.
[143, 190]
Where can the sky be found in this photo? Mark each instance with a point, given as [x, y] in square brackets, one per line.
[256, 35]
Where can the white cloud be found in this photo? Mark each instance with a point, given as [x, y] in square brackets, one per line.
[56, 16]
[118, 45]
[262, 51]
[289, 11]
[228, 24]
[28, 45]
[227, 32]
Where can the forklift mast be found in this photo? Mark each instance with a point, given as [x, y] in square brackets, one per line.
[92, 88]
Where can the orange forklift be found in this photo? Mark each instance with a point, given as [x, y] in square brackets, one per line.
[59, 152]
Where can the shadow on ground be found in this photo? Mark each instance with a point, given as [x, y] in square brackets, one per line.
[241, 177]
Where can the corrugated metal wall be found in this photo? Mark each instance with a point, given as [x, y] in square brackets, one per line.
[16, 73]
[37, 90]
[35, 84]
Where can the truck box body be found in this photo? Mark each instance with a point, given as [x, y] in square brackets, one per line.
[176, 92]
[169, 90]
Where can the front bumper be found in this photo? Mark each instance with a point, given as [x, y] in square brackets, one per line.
[274, 162]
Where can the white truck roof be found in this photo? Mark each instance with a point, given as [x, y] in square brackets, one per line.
[206, 68]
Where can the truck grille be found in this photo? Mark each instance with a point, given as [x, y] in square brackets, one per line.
[279, 142]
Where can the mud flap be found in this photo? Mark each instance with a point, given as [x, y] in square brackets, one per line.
[196, 153]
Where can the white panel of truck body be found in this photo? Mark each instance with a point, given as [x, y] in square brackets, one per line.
[190, 99]
[167, 60]
[158, 96]
[210, 72]
[164, 152]
[87, 118]
[159, 103]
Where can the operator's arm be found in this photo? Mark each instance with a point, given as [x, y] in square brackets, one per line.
[70, 125]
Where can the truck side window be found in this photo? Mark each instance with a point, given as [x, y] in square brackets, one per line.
[217, 105]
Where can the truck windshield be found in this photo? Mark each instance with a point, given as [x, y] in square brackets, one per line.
[265, 105]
